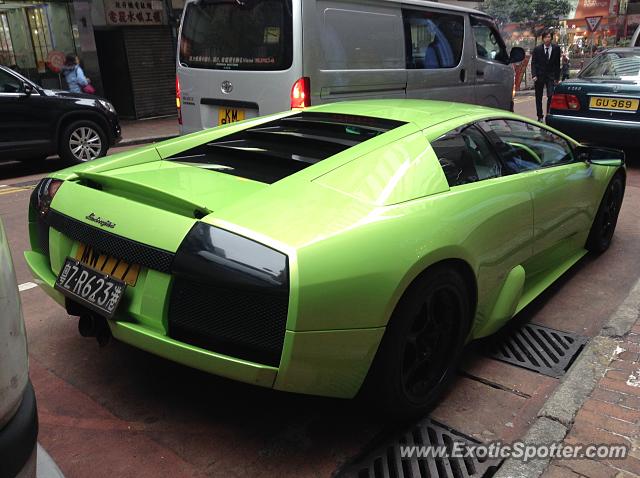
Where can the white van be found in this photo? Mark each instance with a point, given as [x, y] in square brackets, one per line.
[239, 59]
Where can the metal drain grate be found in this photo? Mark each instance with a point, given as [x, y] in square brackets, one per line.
[386, 460]
[541, 349]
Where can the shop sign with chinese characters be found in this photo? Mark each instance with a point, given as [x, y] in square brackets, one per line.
[134, 12]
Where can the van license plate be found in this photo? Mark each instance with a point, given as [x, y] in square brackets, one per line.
[230, 115]
[93, 289]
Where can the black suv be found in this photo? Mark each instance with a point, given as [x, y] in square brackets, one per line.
[36, 122]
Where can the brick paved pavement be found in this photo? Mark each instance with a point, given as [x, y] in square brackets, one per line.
[610, 415]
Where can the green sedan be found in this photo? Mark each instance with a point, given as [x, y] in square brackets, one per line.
[602, 105]
[344, 249]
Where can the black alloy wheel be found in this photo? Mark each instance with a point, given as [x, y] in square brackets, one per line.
[420, 350]
[431, 337]
[604, 224]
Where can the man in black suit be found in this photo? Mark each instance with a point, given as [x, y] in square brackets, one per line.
[545, 69]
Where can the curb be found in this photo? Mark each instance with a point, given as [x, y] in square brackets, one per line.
[144, 140]
[555, 418]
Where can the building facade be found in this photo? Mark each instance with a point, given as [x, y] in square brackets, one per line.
[127, 48]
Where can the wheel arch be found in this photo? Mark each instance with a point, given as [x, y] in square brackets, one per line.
[466, 271]
[79, 115]
[462, 266]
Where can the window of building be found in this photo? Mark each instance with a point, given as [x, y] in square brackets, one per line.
[7, 55]
[435, 39]
[466, 156]
[40, 34]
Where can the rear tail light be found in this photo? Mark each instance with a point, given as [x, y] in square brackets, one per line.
[43, 194]
[562, 101]
[301, 93]
[178, 101]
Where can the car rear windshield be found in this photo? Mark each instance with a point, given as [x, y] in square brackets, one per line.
[277, 149]
[237, 35]
[614, 66]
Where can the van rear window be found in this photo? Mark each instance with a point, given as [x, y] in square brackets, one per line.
[237, 35]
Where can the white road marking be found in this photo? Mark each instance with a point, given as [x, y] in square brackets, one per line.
[27, 286]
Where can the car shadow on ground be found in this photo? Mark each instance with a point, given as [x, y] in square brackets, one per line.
[197, 414]
[29, 167]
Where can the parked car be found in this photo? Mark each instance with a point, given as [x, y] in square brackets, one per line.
[295, 53]
[351, 247]
[20, 455]
[37, 122]
[601, 105]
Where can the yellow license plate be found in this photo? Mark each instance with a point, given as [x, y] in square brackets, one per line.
[108, 265]
[230, 115]
[617, 104]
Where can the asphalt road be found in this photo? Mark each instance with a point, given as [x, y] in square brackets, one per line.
[117, 411]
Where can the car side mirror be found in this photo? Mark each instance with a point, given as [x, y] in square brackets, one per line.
[600, 156]
[517, 55]
[27, 89]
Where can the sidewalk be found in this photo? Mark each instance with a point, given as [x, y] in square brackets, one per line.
[598, 402]
[148, 130]
[610, 415]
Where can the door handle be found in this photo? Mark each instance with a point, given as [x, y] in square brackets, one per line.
[480, 73]
[463, 75]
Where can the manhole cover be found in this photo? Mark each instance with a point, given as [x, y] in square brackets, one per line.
[387, 460]
[534, 347]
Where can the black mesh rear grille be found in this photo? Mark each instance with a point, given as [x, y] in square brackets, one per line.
[117, 246]
[42, 229]
[240, 323]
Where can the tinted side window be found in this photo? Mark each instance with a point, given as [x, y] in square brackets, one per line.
[9, 83]
[489, 43]
[361, 39]
[434, 39]
[524, 146]
[466, 156]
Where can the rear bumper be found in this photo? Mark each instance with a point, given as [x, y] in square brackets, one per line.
[115, 131]
[596, 130]
[329, 362]
[18, 438]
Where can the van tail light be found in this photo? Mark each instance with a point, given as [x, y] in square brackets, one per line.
[178, 101]
[562, 101]
[301, 93]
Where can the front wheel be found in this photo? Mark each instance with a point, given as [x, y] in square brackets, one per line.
[83, 141]
[421, 346]
[604, 224]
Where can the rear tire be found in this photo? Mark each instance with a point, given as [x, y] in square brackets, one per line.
[83, 141]
[604, 224]
[421, 347]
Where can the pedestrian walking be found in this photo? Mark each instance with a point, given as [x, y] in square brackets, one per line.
[74, 76]
[565, 67]
[545, 70]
